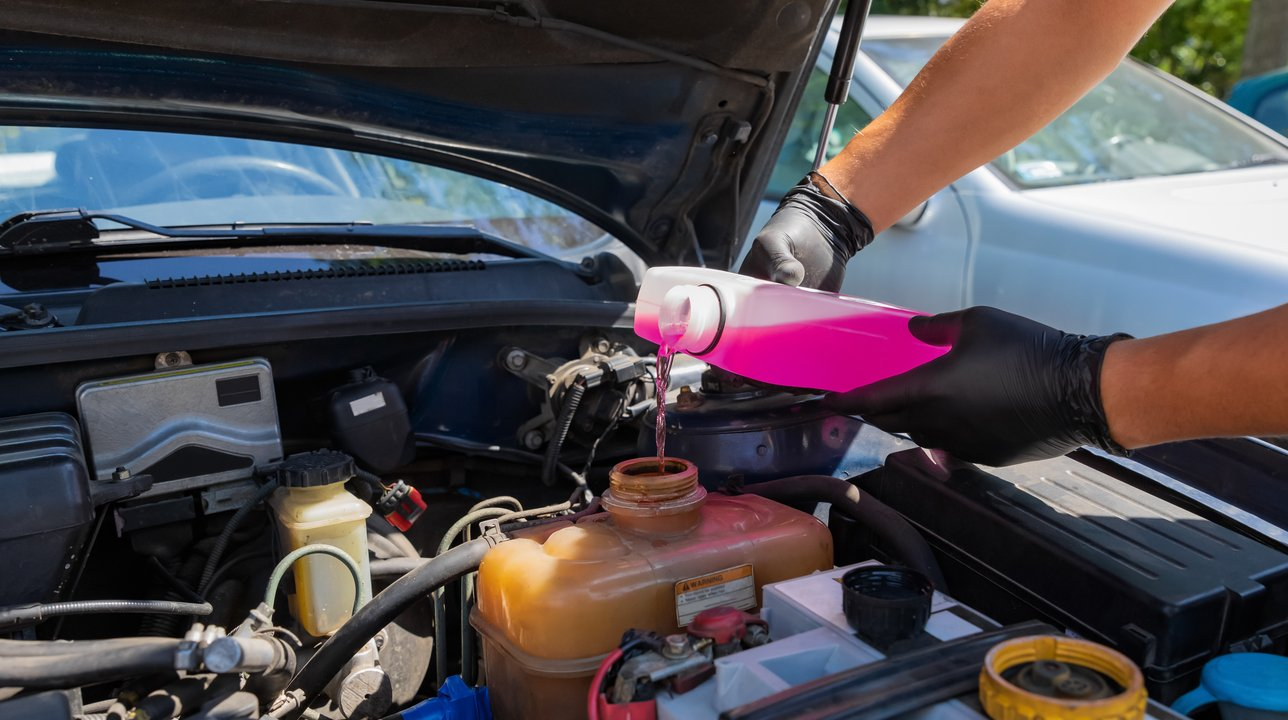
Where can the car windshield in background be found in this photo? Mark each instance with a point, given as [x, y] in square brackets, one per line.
[1133, 124]
[172, 179]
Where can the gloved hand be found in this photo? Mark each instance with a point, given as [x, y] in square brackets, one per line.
[1010, 390]
[810, 238]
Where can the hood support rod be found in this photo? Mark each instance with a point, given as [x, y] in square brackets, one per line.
[838, 81]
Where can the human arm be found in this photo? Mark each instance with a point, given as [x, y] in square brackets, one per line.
[1010, 70]
[1013, 390]
[1218, 380]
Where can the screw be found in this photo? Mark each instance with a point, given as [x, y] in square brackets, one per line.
[603, 346]
[533, 439]
[677, 646]
[516, 359]
[710, 138]
[120, 475]
[588, 263]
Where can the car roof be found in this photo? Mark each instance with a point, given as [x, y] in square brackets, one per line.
[891, 26]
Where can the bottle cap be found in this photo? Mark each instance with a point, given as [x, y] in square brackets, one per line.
[885, 604]
[690, 318]
[1257, 681]
[314, 469]
[1031, 678]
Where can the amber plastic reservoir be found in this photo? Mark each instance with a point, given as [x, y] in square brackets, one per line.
[553, 603]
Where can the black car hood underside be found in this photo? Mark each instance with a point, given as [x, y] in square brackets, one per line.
[659, 120]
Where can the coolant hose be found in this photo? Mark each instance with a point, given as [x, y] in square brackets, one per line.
[906, 544]
[106, 663]
[383, 609]
[24, 614]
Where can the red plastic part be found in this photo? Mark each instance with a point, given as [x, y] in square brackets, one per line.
[408, 510]
[646, 710]
[723, 624]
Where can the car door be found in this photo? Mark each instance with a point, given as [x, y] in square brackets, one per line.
[920, 261]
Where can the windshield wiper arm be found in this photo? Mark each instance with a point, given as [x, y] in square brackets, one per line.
[60, 232]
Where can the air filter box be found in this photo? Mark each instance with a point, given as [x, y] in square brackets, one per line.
[1061, 541]
[186, 427]
[45, 505]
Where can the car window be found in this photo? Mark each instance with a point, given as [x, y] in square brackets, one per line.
[1133, 124]
[179, 179]
[797, 156]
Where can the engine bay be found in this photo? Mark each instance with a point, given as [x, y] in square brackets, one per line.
[473, 522]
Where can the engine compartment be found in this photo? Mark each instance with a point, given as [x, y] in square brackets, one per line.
[160, 478]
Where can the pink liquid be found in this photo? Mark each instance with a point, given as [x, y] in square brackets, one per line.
[839, 352]
[845, 353]
[661, 378]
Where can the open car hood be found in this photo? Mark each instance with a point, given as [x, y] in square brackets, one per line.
[660, 121]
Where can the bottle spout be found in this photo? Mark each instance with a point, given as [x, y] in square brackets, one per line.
[690, 318]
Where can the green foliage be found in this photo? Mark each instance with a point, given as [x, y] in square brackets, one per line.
[1199, 41]
[941, 8]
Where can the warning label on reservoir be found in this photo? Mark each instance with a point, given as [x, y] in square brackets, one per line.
[735, 586]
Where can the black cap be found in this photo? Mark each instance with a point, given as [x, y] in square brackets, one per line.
[885, 604]
[315, 469]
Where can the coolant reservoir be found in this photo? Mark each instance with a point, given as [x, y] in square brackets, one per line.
[312, 506]
[553, 603]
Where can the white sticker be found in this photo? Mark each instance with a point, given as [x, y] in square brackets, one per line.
[735, 586]
[367, 403]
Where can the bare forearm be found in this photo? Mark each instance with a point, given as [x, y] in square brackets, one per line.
[1014, 67]
[1226, 379]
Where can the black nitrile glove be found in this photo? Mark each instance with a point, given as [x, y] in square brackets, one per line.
[1010, 390]
[809, 239]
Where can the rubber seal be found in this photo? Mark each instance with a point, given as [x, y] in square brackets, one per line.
[720, 327]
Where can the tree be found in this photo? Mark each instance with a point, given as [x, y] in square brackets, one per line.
[1266, 48]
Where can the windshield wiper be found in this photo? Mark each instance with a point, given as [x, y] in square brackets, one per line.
[63, 232]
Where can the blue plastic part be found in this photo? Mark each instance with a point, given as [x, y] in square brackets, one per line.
[455, 701]
[1256, 681]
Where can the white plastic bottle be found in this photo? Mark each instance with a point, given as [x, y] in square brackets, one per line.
[777, 334]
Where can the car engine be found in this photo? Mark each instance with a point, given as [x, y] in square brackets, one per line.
[475, 524]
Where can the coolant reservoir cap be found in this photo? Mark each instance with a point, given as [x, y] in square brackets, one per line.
[1059, 677]
[315, 469]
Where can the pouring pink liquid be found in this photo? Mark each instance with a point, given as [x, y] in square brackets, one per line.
[777, 334]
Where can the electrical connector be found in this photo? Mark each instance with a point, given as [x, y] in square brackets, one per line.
[401, 504]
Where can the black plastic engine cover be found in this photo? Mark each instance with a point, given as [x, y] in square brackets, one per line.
[1114, 564]
[45, 505]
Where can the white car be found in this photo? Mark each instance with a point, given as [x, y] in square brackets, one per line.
[1148, 207]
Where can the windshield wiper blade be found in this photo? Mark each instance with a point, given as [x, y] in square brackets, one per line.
[46, 232]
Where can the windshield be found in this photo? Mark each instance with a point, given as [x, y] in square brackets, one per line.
[173, 179]
[1133, 124]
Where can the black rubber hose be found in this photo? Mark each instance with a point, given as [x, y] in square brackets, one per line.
[572, 400]
[35, 613]
[383, 609]
[68, 671]
[226, 535]
[906, 544]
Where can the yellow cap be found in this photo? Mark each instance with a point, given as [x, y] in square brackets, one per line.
[1003, 700]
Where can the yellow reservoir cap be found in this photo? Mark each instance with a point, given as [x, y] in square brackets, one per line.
[1003, 700]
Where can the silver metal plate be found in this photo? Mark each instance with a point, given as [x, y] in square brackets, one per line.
[188, 427]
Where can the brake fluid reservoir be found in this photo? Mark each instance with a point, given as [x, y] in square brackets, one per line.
[552, 603]
[312, 506]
